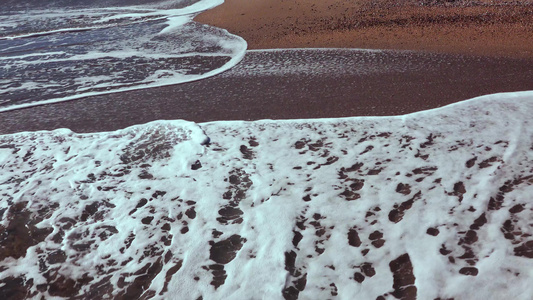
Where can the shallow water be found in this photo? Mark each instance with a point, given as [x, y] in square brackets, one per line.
[289, 84]
[57, 51]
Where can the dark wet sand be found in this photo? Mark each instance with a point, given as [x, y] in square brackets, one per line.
[292, 84]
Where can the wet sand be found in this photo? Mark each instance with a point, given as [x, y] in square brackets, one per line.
[293, 84]
[495, 28]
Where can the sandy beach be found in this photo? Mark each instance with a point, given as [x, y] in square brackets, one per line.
[312, 205]
[495, 28]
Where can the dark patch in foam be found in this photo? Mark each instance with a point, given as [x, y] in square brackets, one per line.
[246, 152]
[298, 285]
[397, 213]
[432, 231]
[353, 168]
[424, 170]
[191, 213]
[403, 189]
[320, 232]
[168, 276]
[496, 203]
[334, 291]
[357, 184]
[367, 149]
[368, 269]
[230, 215]
[479, 222]
[459, 188]
[429, 141]
[21, 232]
[300, 144]
[240, 183]
[297, 278]
[517, 209]
[403, 278]
[358, 277]
[469, 238]
[219, 275]
[524, 250]
[375, 171]
[144, 174]
[147, 220]
[297, 238]
[353, 238]
[487, 162]
[349, 195]
[469, 271]
[297, 281]
[377, 239]
[197, 165]
[471, 162]
[225, 251]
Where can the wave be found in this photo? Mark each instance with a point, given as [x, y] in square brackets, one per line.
[58, 54]
[434, 204]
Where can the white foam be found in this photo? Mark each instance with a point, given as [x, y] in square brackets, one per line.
[297, 188]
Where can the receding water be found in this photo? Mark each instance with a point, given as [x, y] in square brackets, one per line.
[61, 50]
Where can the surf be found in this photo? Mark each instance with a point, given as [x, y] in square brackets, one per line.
[51, 54]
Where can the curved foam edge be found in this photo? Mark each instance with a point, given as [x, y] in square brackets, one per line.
[497, 97]
[521, 97]
[239, 50]
[230, 64]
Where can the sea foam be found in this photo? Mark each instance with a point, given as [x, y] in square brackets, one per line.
[50, 54]
[431, 205]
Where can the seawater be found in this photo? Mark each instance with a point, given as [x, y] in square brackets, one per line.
[52, 51]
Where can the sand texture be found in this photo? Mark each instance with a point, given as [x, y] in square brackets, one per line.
[494, 28]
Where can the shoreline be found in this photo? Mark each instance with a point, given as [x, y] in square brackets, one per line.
[485, 29]
[416, 77]
[292, 84]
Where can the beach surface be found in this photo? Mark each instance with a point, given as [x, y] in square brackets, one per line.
[495, 28]
[408, 205]
[290, 84]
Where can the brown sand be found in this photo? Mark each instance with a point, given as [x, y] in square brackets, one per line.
[495, 28]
